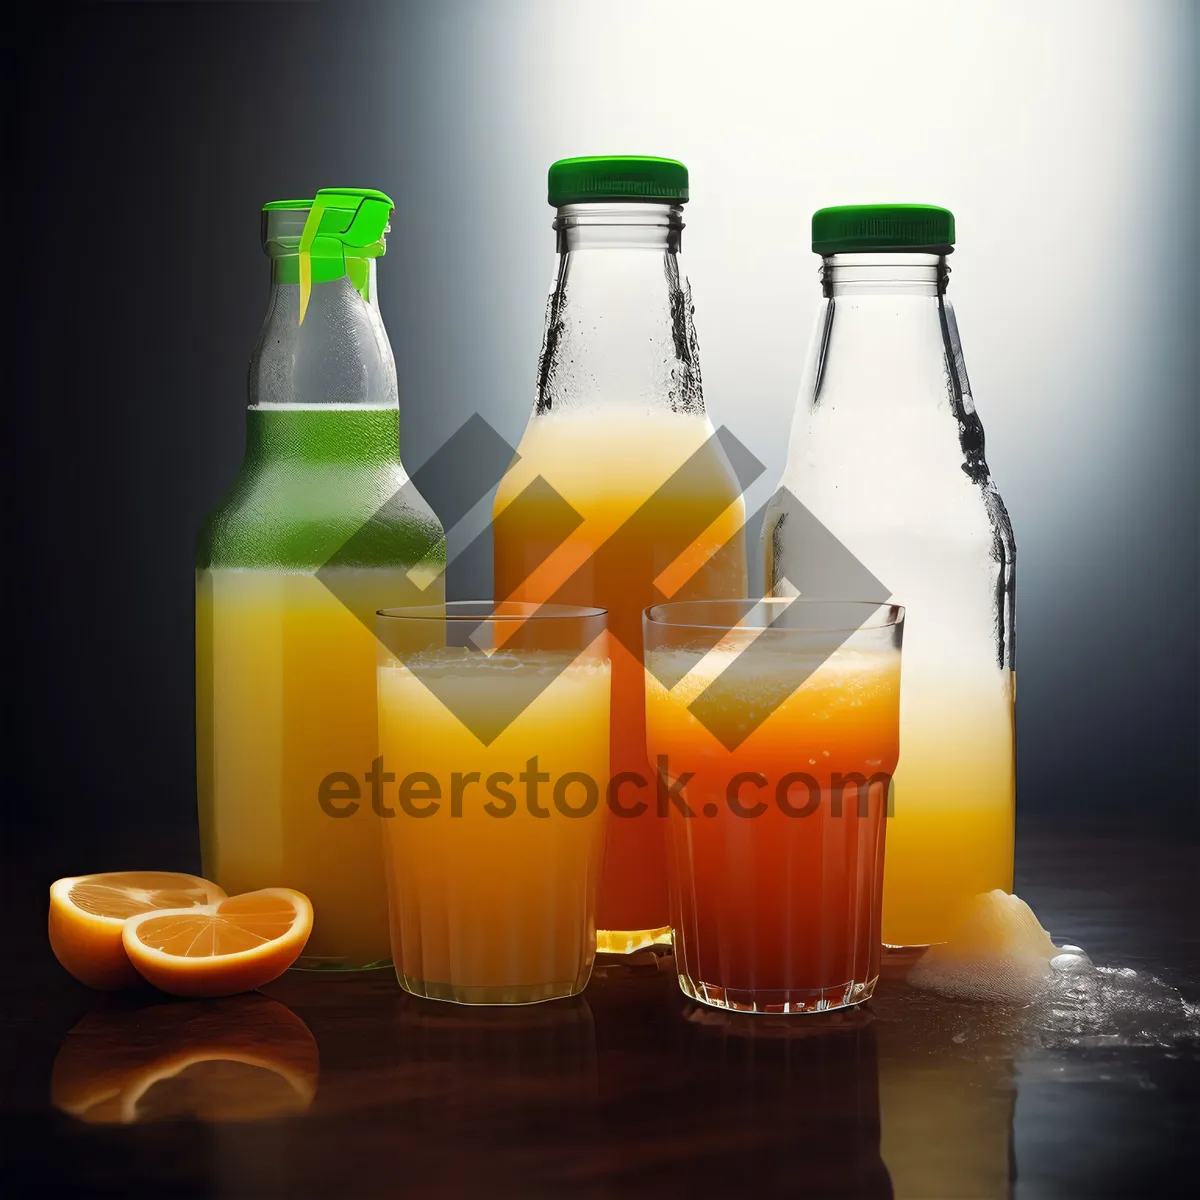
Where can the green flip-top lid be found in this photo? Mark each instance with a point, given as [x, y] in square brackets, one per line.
[342, 219]
[342, 223]
[342, 228]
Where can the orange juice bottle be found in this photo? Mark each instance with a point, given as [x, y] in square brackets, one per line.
[637, 501]
[320, 529]
[887, 453]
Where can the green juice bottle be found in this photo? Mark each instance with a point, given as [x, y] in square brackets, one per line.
[321, 527]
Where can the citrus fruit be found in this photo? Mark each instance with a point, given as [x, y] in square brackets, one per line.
[237, 1059]
[88, 912]
[234, 944]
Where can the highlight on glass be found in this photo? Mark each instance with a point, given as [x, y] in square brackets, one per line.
[494, 740]
[774, 727]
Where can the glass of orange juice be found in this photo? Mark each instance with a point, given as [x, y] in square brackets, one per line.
[494, 739]
[774, 726]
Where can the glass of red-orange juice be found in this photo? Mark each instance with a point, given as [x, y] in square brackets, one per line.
[773, 727]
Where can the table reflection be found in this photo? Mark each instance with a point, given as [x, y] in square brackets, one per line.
[244, 1058]
[797, 1095]
[947, 1092]
[534, 1052]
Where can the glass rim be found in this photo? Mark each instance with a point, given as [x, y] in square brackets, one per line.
[489, 610]
[660, 614]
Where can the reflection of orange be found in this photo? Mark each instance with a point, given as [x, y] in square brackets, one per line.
[234, 945]
[238, 1059]
[88, 913]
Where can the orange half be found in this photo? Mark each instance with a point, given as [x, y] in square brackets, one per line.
[232, 945]
[88, 913]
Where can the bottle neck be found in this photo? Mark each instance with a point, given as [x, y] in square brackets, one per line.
[619, 330]
[887, 339]
[885, 330]
[879, 274]
[622, 226]
[337, 357]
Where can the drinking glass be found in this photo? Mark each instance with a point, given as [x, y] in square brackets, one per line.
[494, 730]
[773, 725]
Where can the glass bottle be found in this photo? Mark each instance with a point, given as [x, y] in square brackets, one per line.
[637, 500]
[886, 453]
[320, 528]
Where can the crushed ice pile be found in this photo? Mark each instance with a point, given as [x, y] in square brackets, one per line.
[1001, 952]
[1003, 955]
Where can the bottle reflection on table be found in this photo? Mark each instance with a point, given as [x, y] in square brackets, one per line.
[244, 1058]
[947, 1092]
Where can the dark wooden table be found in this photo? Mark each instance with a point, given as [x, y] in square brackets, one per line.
[344, 1087]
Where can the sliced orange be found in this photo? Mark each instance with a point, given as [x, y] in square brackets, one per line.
[233, 945]
[88, 912]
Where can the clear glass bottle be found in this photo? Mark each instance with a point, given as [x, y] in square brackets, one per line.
[618, 428]
[886, 452]
[320, 528]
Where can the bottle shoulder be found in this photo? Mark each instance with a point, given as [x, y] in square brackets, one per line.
[891, 460]
[307, 515]
[886, 396]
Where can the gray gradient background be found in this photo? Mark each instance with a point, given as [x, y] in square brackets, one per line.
[1063, 136]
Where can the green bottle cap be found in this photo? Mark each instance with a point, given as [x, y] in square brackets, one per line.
[849, 228]
[630, 177]
[345, 227]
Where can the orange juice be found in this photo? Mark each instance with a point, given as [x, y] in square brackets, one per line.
[493, 851]
[285, 697]
[952, 837]
[777, 876]
[607, 463]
